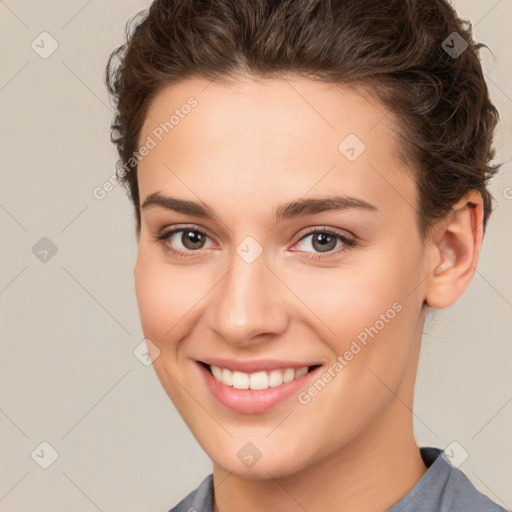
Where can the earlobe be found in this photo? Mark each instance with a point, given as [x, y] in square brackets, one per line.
[454, 252]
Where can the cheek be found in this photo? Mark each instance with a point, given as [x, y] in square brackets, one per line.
[368, 316]
[170, 297]
[347, 300]
[163, 295]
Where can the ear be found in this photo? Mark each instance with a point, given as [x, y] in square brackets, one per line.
[453, 251]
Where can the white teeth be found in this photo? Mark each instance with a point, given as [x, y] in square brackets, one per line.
[275, 378]
[288, 375]
[217, 372]
[227, 377]
[257, 380]
[299, 372]
[240, 380]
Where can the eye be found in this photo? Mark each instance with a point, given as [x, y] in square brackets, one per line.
[324, 240]
[183, 240]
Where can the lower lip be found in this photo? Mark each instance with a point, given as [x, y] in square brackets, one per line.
[252, 401]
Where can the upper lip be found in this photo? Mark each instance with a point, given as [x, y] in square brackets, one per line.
[256, 365]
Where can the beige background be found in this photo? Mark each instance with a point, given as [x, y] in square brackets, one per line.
[68, 374]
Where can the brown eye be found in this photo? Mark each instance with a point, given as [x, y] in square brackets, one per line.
[324, 241]
[192, 240]
[183, 241]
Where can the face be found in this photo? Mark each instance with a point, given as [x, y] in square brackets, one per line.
[278, 236]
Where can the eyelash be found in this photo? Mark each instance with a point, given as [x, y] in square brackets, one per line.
[349, 243]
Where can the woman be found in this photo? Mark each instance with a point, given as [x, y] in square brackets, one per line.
[309, 178]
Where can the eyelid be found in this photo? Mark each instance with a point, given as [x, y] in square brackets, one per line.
[167, 231]
[325, 229]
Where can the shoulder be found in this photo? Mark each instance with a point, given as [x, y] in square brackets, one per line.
[199, 500]
[444, 488]
[461, 495]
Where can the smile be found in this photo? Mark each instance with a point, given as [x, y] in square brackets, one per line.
[263, 386]
[257, 380]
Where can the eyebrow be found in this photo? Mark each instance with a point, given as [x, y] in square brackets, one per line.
[297, 208]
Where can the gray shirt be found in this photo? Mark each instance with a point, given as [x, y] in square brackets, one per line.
[442, 488]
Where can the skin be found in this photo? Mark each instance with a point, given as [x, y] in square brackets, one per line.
[245, 149]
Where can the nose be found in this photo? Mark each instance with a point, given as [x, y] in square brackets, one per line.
[248, 303]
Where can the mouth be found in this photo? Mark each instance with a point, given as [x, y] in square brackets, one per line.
[257, 390]
[259, 380]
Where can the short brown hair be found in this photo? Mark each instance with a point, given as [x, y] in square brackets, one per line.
[397, 49]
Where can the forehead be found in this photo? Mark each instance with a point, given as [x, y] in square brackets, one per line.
[298, 108]
[269, 138]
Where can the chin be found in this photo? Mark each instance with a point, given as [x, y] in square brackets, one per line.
[258, 461]
[262, 469]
